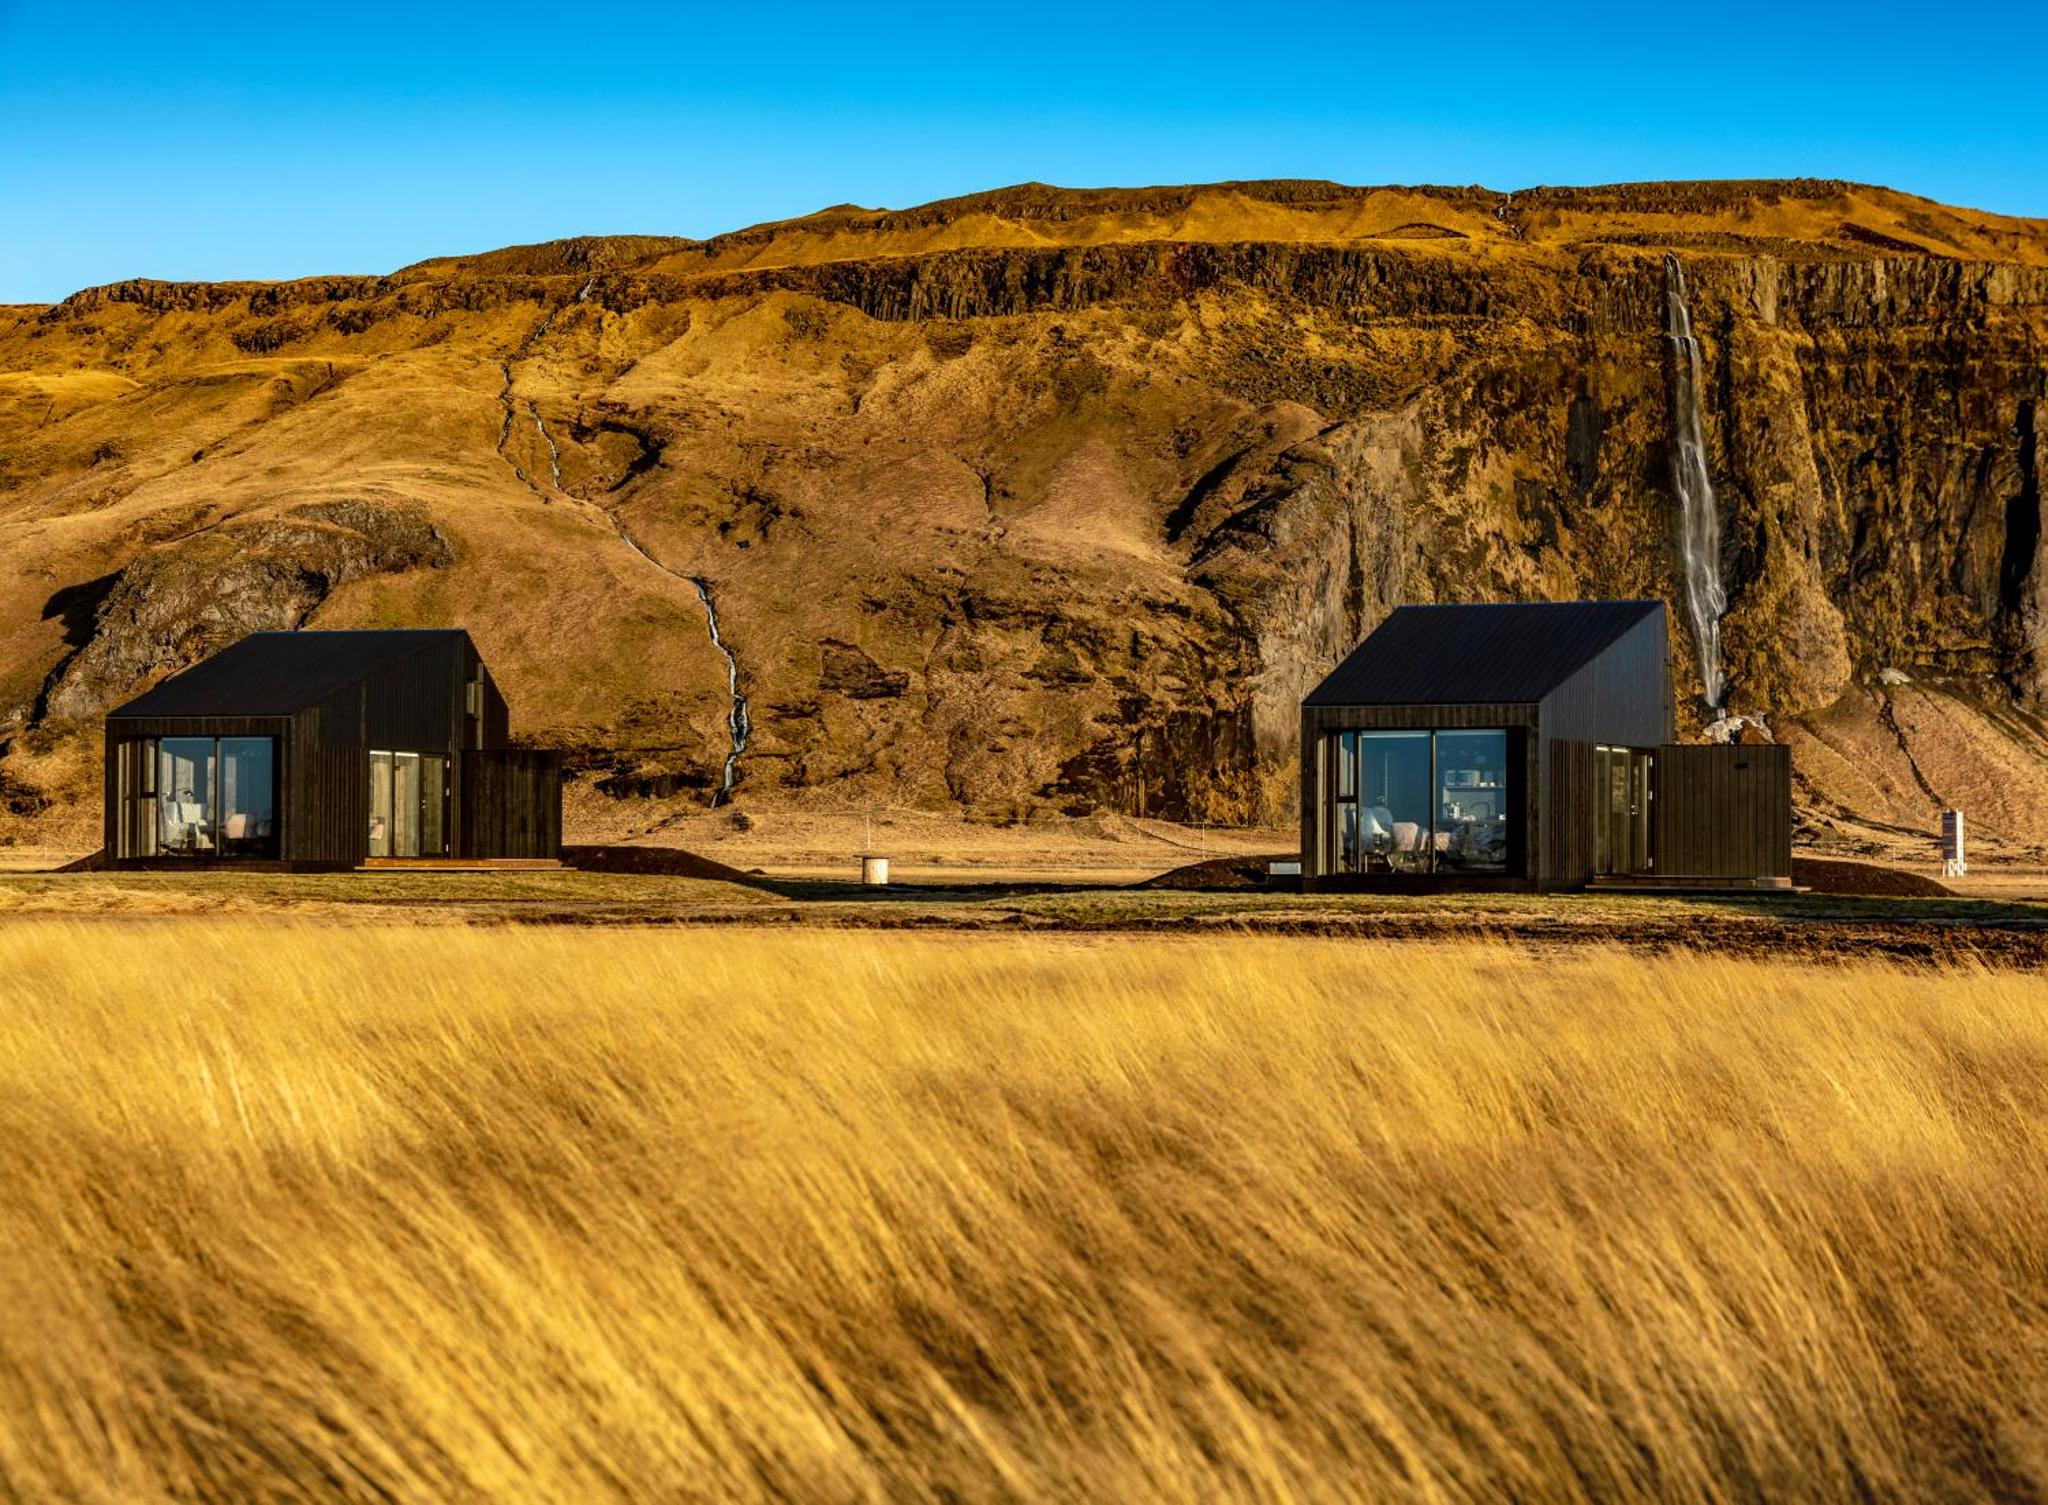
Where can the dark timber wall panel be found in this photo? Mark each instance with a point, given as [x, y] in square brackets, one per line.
[1315, 854]
[415, 704]
[1568, 823]
[327, 821]
[512, 803]
[1621, 698]
[1724, 811]
[496, 718]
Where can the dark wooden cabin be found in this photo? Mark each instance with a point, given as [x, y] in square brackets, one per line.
[1526, 745]
[312, 750]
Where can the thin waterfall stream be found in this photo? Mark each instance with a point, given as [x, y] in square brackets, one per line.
[507, 397]
[739, 723]
[554, 454]
[1699, 533]
[738, 719]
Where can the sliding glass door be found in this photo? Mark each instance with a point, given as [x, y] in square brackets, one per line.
[380, 804]
[185, 804]
[409, 804]
[405, 804]
[248, 780]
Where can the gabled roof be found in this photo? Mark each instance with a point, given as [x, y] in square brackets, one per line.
[277, 673]
[1513, 653]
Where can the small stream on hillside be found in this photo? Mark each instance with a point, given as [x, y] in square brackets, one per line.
[1699, 533]
[508, 400]
[554, 454]
[738, 720]
[739, 723]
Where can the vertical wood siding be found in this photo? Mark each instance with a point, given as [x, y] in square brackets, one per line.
[1568, 825]
[512, 803]
[328, 814]
[1724, 811]
[1622, 697]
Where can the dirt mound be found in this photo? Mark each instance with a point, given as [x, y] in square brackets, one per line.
[1218, 873]
[1829, 876]
[668, 862]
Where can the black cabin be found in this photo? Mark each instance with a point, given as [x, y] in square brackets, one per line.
[327, 750]
[1527, 745]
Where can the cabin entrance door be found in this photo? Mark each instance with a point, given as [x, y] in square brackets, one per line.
[1621, 810]
[409, 795]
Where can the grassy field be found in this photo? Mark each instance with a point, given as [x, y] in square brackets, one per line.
[371, 1212]
[2007, 933]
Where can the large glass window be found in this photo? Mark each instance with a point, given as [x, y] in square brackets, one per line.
[1421, 801]
[248, 811]
[185, 796]
[197, 797]
[1394, 794]
[1472, 801]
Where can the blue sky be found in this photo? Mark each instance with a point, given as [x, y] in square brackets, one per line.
[278, 141]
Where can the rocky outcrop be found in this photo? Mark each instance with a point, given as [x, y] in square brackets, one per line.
[846, 670]
[180, 601]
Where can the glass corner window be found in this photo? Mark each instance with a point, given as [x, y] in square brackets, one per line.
[197, 797]
[1415, 801]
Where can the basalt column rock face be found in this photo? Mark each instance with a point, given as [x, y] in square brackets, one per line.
[1042, 501]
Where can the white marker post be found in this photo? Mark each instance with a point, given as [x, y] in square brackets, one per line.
[1952, 864]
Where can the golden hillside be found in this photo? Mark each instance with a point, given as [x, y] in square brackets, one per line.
[1048, 500]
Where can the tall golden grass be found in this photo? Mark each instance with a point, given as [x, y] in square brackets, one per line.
[295, 1212]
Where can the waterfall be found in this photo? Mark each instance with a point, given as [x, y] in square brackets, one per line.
[554, 454]
[737, 720]
[1699, 533]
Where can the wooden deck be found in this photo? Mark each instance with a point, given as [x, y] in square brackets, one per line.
[461, 864]
[1679, 883]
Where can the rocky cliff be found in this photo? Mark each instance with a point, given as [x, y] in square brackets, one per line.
[1045, 500]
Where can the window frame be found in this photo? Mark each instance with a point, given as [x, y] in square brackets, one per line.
[1344, 789]
[139, 794]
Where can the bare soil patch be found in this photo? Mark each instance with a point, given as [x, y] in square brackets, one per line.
[1827, 876]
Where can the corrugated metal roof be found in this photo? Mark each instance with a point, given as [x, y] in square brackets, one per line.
[277, 673]
[1513, 652]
